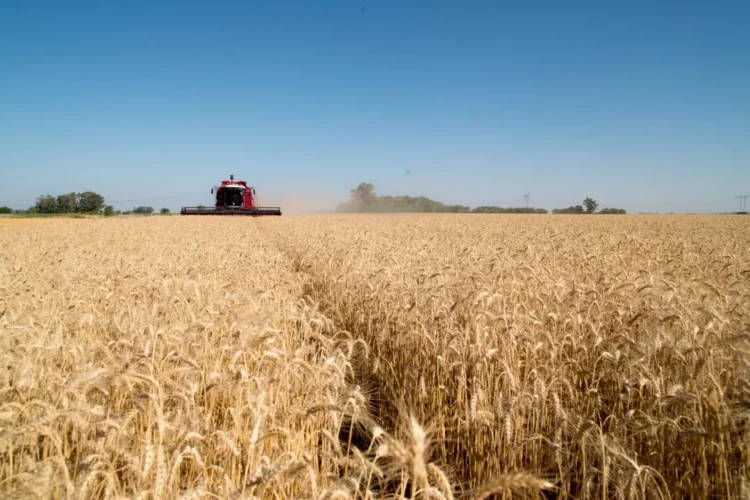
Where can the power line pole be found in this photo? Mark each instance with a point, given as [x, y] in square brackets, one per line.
[526, 199]
[743, 201]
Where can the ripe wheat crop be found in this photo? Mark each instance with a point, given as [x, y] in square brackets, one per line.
[375, 356]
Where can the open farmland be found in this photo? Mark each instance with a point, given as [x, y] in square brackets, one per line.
[367, 356]
[20, 221]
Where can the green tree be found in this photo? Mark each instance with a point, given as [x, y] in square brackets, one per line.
[67, 203]
[618, 211]
[578, 209]
[109, 210]
[143, 210]
[364, 199]
[6, 210]
[590, 205]
[364, 194]
[46, 204]
[164, 211]
[90, 202]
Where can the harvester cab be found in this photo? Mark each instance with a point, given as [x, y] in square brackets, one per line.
[233, 198]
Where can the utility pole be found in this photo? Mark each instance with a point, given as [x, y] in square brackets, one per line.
[743, 201]
[526, 199]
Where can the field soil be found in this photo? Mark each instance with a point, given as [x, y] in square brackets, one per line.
[419, 356]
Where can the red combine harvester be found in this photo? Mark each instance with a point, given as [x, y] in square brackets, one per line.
[233, 198]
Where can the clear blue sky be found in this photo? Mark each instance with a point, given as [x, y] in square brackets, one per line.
[639, 104]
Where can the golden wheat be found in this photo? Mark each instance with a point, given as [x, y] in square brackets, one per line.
[375, 356]
[608, 356]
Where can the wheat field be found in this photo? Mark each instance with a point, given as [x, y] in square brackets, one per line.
[393, 356]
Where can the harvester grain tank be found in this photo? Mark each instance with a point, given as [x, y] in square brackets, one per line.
[233, 198]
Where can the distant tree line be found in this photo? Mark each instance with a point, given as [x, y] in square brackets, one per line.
[146, 211]
[589, 207]
[86, 202]
[364, 200]
[509, 210]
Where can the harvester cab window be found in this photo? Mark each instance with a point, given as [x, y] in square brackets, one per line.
[233, 197]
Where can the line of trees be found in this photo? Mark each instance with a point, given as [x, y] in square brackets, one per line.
[86, 202]
[149, 210]
[144, 210]
[364, 200]
[508, 210]
[589, 207]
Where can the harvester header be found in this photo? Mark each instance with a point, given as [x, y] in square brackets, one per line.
[233, 198]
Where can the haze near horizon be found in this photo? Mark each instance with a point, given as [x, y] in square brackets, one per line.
[638, 105]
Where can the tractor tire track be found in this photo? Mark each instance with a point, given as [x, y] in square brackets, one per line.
[349, 320]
